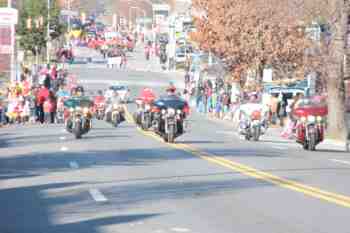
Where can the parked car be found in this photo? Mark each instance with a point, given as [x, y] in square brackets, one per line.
[180, 55]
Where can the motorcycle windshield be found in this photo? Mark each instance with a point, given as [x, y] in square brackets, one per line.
[311, 106]
[170, 102]
[78, 102]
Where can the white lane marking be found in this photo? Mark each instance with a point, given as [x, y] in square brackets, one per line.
[63, 138]
[226, 132]
[340, 161]
[74, 165]
[97, 195]
[179, 229]
[63, 148]
[279, 147]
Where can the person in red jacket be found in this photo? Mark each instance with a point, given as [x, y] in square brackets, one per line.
[147, 96]
[41, 97]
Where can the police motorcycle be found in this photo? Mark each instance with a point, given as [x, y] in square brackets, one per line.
[78, 115]
[143, 115]
[253, 121]
[169, 117]
[115, 112]
[99, 106]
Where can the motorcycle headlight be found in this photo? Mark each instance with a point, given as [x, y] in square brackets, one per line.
[319, 119]
[148, 107]
[78, 109]
[86, 110]
[163, 111]
[303, 119]
[179, 111]
[311, 119]
[171, 111]
[71, 109]
[115, 105]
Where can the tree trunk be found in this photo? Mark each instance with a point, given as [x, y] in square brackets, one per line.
[337, 127]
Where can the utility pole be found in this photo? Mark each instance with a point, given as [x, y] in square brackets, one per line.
[48, 33]
[69, 15]
[13, 70]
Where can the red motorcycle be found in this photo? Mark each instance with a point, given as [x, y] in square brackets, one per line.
[311, 120]
[99, 107]
[143, 115]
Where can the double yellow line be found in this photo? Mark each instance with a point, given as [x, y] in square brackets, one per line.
[314, 192]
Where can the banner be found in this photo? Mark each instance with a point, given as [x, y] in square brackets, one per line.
[5, 40]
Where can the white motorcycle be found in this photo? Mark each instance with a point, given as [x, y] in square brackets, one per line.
[253, 124]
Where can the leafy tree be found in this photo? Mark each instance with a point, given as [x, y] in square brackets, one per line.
[3, 3]
[33, 34]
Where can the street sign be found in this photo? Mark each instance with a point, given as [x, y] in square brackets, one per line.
[69, 13]
[144, 20]
[8, 16]
[160, 7]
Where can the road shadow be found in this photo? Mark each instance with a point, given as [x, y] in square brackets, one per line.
[199, 142]
[330, 151]
[277, 141]
[35, 209]
[183, 188]
[38, 164]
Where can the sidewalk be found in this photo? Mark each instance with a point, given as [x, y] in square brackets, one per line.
[274, 133]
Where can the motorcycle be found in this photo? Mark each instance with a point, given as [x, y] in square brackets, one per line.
[78, 117]
[117, 115]
[169, 115]
[143, 115]
[60, 111]
[100, 111]
[252, 126]
[310, 124]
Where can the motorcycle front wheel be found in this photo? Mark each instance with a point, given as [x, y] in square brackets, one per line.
[256, 133]
[312, 142]
[171, 134]
[77, 131]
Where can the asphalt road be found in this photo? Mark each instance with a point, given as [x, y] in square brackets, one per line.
[124, 180]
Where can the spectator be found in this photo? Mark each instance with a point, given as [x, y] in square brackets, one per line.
[42, 96]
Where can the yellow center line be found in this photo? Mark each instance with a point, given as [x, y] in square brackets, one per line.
[331, 197]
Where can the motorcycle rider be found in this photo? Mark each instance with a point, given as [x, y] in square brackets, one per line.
[99, 104]
[109, 94]
[146, 97]
[246, 110]
[171, 89]
[99, 98]
[111, 102]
